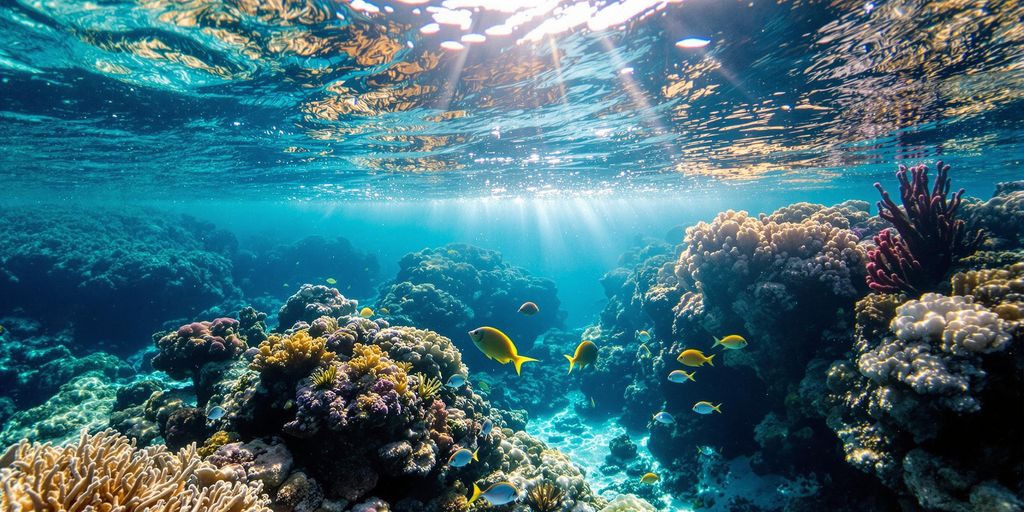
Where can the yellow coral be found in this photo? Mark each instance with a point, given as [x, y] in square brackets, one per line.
[426, 387]
[218, 439]
[106, 472]
[370, 360]
[324, 377]
[295, 354]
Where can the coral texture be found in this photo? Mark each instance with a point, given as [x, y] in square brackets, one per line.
[311, 302]
[104, 471]
[930, 236]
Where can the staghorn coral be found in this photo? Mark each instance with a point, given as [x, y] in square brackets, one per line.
[544, 497]
[311, 302]
[930, 236]
[105, 470]
[293, 355]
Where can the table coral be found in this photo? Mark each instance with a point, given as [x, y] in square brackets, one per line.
[105, 470]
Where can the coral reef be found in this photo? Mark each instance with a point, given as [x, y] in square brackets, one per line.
[1001, 218]
[84, 402]
[457, 288]
[87, 270]
[105, 471]
[260, 269]
[311, 302]
[195, 349]
[929, 401]
[930, 235]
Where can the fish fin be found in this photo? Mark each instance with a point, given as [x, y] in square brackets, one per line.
[474, 454]
[691, 376]
[476, 494]
[519, 360]
[717, 408]
[698, 449]
[718, 341]
[710, 363]
[572, 362]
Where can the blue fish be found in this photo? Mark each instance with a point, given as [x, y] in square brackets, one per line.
[461, 457]
[216, 413]
[706, 408]
[664, 418]
[497, 494]
[456, 381]
[705, 450]
[485, 429]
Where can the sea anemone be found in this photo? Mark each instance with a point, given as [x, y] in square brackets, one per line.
[324, 376]
[426, 387]
[545, 497]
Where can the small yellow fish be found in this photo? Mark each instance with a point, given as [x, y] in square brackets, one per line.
[496, 345]
[385, 311]
[366, 312]
[731, 342]
[586, 353]
[331, 280]
[649, 478]
[645, 348]
[643, 336]
[694, 357]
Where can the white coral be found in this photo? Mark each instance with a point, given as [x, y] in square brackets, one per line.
[960, 325]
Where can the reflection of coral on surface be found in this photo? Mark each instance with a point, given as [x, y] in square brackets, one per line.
[105, 470]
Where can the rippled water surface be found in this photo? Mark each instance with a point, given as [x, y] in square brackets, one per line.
[426, 98]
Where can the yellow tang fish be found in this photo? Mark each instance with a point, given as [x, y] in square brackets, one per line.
[586, 353]
[366, 312]
[694, 357]
[732, 342]
[649, 478]
[496, 345]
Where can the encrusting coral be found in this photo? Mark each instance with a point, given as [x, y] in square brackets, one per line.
[106, 471]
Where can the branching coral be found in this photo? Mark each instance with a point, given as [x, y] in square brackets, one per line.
[105, 471]
[426, 387]
[291, 355]
[545, 497]
[930, 236]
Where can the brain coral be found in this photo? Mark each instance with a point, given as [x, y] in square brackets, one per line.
[311, 302]
[105, 470]
[428, 352]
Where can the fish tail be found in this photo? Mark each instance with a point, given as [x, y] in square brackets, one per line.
[474, 454]
[572, 362]
[476, 494]
[717, 408]
[691, 376]
[718, 341]
[708, 360]
[519, 360]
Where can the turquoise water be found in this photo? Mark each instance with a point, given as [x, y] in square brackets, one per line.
[261, 234]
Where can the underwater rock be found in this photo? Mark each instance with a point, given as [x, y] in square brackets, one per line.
[86, 270]
[83, 403]
[195, 349]
[458, 287]
[622, 447]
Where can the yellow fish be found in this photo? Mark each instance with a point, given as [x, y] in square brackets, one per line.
[385, 311]
[694, 357]
[495, 345]
[366, 312]
[331, 280]
[586, 353]
[646, 349]
[649, 478]
[732, 342]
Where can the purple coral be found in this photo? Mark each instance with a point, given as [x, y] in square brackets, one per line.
[930, 236]
[184, 352]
